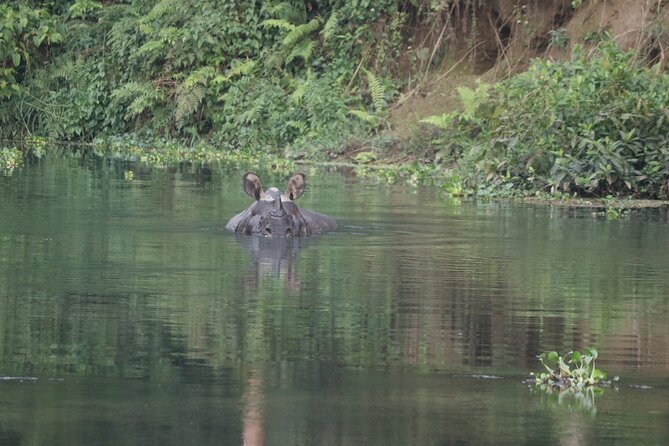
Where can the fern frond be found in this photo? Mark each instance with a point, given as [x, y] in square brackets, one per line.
[163, 7]
[199, 76]
[145, 27]
[252, 115]
[241, 68]
[140, 95]
[170, 34]
[187, 103]
[82, 9]
[278, 23]
[130, 90]
[297, 95]
[471, 99]
[440, 121]
[138, 105]
[376, 89]
[301, 126]
[300, 32]
[330, 26]
[276, 59]
[293, 12]
[364, 116]
[150, 47]
[117, 38]
[303, 49]
[75, 73]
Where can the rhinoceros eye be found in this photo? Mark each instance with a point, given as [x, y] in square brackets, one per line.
[289, 232]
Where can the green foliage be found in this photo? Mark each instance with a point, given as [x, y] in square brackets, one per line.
[161, 153]
[298, 41]
[268, 75]
[24, 32]
[137, 97]
[573, 370]
[273, 76]
[376, 90]
[10, 159]
[593, 126]
[84, 9]
[441, 121]
[471, 101]
[558, 38]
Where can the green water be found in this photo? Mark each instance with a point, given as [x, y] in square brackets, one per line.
[128, 315]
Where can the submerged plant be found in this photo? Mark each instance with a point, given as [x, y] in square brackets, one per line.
[573, 370]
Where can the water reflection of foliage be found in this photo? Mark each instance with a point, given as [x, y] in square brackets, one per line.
[132, 296]
[577, 400]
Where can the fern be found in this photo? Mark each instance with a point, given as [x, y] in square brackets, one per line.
[364, 116]
[376, 89]
[276, 59]
[190, 93]
[187, 103]
[471, 99]
[304, 49]
[75, 73]
[300, 32]
[296, 43]
[253, 114]
[151, 47]
[301, 126]
[199, 76]
[441, 121]
[297, 95]
[278, 23]
[117, 38]
[81, 9]
[138, 105]
[240, 68]
[171, 34]
[293, 12]
[141, 95]
[161, 8]
[302, 87]
[330, 26]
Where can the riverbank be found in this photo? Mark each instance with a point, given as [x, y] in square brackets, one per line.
[483, 100]
[385, 170]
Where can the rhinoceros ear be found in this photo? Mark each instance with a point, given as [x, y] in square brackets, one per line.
[252, 185]
[296, 186]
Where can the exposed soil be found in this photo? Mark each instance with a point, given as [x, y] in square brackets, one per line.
[517, 31]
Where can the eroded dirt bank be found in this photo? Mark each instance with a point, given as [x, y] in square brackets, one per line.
[509, 33]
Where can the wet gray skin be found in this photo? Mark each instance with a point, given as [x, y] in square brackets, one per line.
[274, 214]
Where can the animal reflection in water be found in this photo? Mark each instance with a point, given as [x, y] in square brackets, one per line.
[273, 258]
[274, 214]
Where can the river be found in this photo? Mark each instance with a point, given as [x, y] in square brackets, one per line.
[129, 315]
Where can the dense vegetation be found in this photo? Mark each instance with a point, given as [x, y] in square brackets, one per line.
[595, 125]
[256, 74]
[307, 79]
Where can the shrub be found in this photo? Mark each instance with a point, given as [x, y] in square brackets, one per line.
[592, 126]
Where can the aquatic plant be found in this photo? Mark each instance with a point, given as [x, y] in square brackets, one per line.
[10, 158]
[573, 370]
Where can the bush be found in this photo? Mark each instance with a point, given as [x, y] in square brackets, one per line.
[592, 126]
[262, 75]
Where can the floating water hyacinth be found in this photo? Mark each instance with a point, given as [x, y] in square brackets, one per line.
[572, 370]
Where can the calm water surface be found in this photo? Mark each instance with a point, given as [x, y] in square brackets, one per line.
[128, 315]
